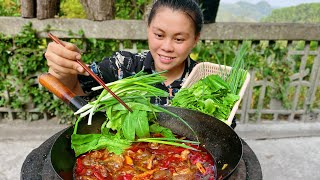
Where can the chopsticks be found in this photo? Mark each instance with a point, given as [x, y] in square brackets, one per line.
[57, 40]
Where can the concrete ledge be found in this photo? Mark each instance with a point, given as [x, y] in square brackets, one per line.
[136, 29]
[278, 130]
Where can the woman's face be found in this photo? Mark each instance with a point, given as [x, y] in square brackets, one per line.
[171, 37]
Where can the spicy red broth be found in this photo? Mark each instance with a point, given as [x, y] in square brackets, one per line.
[146, 161]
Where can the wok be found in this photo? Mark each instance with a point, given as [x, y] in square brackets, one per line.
[219, 139]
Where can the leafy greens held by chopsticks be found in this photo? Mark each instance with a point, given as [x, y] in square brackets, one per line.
[121, 126]
[215, 95]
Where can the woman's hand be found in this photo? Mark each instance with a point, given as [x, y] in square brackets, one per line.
[63, 65]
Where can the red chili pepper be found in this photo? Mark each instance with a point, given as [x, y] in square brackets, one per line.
[98, 175]
[79, 166]
[127, 177]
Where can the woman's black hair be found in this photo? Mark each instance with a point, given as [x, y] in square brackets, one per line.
[190, 7]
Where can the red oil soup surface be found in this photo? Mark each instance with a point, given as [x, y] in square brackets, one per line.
[146, 161]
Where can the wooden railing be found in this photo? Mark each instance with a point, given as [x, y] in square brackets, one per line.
[135, 30]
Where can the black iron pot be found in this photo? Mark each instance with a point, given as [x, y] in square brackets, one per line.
[217, 137]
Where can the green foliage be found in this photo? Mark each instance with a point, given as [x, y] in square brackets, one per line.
[125, 9]
[296, 63]
[9, 7]
[21, 61]
[131, 9]
[211, 95]
[17, 69]
[71, 9]
[303, 13]
[93, 49]
[267, 59]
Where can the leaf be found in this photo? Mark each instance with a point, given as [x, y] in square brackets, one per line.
[211, 95]
[128, 126]
[134, 106]
[115, 118]
[135, 92]
[215, 82]
[113, 144]
[82, 143]
[78, 139]
[156, 128]
[231, 97]
[142, 124]
[209, 106]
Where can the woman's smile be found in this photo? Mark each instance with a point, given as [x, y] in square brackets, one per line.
[166, 59]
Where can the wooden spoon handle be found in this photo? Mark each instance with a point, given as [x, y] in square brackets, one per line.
[56, 87]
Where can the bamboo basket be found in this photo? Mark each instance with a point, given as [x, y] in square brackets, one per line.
[203, 69]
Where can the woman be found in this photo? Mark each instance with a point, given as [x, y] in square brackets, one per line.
[174, 28]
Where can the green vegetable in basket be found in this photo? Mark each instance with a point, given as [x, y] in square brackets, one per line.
[215, 95]
[211, 95]
[238, 74]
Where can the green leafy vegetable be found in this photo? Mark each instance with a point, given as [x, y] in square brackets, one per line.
[215, 95]
[122, 127]
[142, 125]
[82, 143]
[211, 95]
[128, 129]
[156, 128]
[238, 74]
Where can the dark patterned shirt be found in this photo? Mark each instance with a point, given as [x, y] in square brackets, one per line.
[124, 64]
